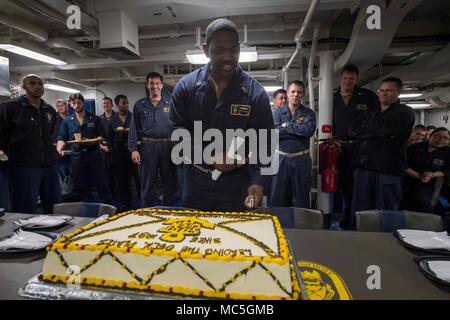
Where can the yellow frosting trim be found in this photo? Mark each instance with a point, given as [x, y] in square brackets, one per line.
[60, 244]
[176, 289]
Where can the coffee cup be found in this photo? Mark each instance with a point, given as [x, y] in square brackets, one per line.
[77, 136]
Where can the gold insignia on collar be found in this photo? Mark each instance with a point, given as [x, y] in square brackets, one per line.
[242, 110]
[300, 120]
[322, 283]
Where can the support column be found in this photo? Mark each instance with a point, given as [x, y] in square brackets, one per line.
[325, 117]
[422, 117]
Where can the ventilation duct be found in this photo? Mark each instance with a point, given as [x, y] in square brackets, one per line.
[119, 36]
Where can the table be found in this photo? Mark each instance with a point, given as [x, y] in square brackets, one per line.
[349, 253]
[346, 252]
[17, 269]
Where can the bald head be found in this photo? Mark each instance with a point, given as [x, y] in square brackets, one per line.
[33, 85]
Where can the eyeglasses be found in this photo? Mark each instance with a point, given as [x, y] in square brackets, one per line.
[390, 91]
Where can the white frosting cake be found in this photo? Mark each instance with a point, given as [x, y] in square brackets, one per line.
[211, 254]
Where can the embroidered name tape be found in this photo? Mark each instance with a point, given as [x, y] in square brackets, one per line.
[361, 107]
[240, 110]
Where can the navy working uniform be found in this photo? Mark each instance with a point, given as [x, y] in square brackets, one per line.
[123, 167]
[295, 162]
[360, 106]
[244, 104]
[64, 166]
[380, 158]
[418, 194]
[107, 158]
[86, 159]
[26, 138]
[149, 135]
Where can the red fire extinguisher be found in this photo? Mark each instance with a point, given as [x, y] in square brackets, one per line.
[328, 161]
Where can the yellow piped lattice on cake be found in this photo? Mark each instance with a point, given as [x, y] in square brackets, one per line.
[235, 255]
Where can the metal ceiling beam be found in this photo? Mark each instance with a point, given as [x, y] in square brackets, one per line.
[361, 50]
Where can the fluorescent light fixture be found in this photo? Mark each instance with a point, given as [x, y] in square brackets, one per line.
[410, 95]
[271, 88]
[31, 54]
[196, 57]
[418, 105]
[247, 54]
[55, 87]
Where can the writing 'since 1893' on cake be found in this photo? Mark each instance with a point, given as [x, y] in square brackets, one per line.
[235, 255]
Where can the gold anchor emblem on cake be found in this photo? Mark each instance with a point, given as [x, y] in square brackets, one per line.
[178, 229]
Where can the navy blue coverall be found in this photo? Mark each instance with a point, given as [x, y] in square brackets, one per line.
[123, 167]
[107, 158]
[244, 104]
[64, 166]
[418, 194]
[26, 138]
[86, 161]
[361, 104]
[294, 171]
[149, 135]
[380, 158]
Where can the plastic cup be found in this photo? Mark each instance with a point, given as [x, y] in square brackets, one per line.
[77, 136]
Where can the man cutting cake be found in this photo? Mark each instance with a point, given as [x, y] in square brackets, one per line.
[221, 96]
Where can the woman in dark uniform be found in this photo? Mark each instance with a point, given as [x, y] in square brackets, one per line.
[427, 161]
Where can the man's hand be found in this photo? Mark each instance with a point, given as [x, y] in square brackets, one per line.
[284, 125]
[220, 163]
[136, 157]
[426, 176]
[60, 147]
[255, 196]
[104, 148]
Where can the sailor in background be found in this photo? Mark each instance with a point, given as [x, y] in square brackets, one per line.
[105, 151]
[427, 161]
[297, 125]
[380, 154]
[64, 166]
[26, 127]
[279, 98]
[124, 169]
[350, 104]
[418, 134]
[222, 96]
[85, 157]
[149, 142]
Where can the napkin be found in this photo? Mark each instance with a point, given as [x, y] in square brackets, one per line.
[441, 269]
[42, 221]
[24, 240]
[425, 239]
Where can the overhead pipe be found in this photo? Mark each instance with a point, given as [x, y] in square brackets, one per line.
[312, 58]
[298, 39]
[44, 9]
[127, 72]
[66, 44]
[36, 32]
